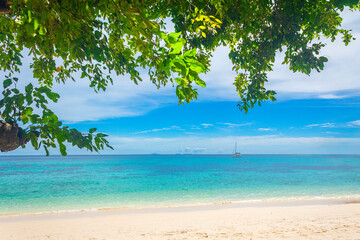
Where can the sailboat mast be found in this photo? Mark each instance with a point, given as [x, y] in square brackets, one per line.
[236, 153]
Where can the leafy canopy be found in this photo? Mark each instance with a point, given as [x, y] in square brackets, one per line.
[105, 37]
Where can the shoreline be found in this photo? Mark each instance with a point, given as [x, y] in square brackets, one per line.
[334, 221]
[154, 208]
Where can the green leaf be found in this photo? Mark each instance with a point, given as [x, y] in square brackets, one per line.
[197, 67]
[97, 34]
[190, 53]
[101, 135]
[29, 88]
[109, 146]
[173, 36]
[180, 62]
[323, 59]
[176, 48]
[33, 140]
[200, 82]
[92, 130]
[46, 150]
[62, 149]
[36, 24]
[7, 83]
[180, 81]
[29, 16]
[41, 31]
[28, 111]
[53, 96]
[24, 119]
[15, 90]
[180, 93]
[34, 118]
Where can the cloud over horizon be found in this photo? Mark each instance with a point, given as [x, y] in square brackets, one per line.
[263, 144]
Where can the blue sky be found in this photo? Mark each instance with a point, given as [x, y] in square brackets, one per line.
[292, 126]
[314, 114]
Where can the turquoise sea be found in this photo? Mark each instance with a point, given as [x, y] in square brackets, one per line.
[31, 184]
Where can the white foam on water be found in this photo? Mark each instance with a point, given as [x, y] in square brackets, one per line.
[246, 203]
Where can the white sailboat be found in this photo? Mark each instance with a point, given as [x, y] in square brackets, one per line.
[236, 153]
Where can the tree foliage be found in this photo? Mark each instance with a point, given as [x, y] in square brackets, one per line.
[100, 38]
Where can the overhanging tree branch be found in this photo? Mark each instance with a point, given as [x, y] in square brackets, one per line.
[100, 39]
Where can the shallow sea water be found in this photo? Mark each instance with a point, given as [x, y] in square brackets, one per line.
[39, 183]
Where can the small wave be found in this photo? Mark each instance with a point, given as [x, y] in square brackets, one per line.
[49, 212]
[279, 201]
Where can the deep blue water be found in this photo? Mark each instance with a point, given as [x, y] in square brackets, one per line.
[38, 183]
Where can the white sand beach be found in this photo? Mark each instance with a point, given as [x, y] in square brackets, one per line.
[341, 221]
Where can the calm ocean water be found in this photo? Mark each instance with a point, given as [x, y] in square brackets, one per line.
[37, 183]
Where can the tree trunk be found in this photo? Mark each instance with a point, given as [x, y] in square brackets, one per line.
[12, 136]
[9, 139]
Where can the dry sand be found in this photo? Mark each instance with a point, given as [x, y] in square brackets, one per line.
[271, 222]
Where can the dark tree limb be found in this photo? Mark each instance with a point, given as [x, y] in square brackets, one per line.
[12, 136]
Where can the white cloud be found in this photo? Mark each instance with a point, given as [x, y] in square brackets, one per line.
[355, 123]
[246, 144]
[193, 127]
[323, 125]
[331, 96]
[236, 124]
[206, 125]
[194, 150]
[339, 79]
[160, 129]
[78, 102]
[266, 129]
[265, 144]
